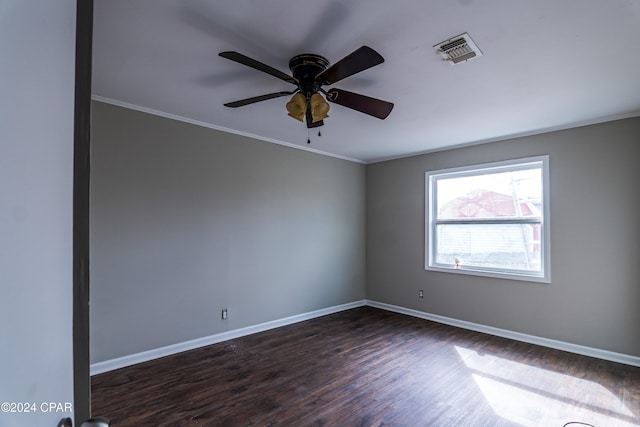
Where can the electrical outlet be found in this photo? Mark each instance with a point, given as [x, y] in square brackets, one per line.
[420, 293]
[224, 313]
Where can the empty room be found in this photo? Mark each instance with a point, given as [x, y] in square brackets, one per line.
[453, 243]
[346, 213]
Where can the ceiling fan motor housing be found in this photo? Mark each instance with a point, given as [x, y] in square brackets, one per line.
[305, 68]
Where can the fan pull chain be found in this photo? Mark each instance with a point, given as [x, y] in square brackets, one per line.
[309, 135]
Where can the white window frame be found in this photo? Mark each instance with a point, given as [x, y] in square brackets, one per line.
[431, 219]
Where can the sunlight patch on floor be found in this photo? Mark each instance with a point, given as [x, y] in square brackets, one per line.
[547, 398]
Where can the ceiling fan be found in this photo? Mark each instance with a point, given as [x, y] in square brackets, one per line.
[310, 73]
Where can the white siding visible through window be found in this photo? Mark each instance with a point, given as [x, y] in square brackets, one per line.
[489, 219]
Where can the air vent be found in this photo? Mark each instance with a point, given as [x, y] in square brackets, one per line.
[458, 49]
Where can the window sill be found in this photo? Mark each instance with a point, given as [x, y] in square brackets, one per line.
[494, 274]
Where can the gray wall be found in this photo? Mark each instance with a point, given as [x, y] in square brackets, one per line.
[187, 220]
[594, 297]
[37, 44]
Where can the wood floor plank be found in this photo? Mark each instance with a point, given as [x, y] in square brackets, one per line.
[370, 367]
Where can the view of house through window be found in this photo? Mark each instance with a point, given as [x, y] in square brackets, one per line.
[489, 219]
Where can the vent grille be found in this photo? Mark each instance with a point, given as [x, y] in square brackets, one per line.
[458, 49]
[461, 42]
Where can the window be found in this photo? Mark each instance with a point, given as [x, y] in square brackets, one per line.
[489, 220]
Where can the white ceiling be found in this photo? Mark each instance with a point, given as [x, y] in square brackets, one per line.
[547, 64]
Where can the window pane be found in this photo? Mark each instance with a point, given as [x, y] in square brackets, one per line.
[492, 195]
[492, 246]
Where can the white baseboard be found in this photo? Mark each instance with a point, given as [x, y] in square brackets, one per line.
[145, 356]
[545, 342]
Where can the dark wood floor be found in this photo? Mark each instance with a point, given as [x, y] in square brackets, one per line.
[370, 367]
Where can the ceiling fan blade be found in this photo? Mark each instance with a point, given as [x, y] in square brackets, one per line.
[255, 99]
[249, 62]
[367, 105]
[358, 60]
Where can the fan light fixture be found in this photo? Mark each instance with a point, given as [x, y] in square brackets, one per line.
[297, 106]
[319, 107]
